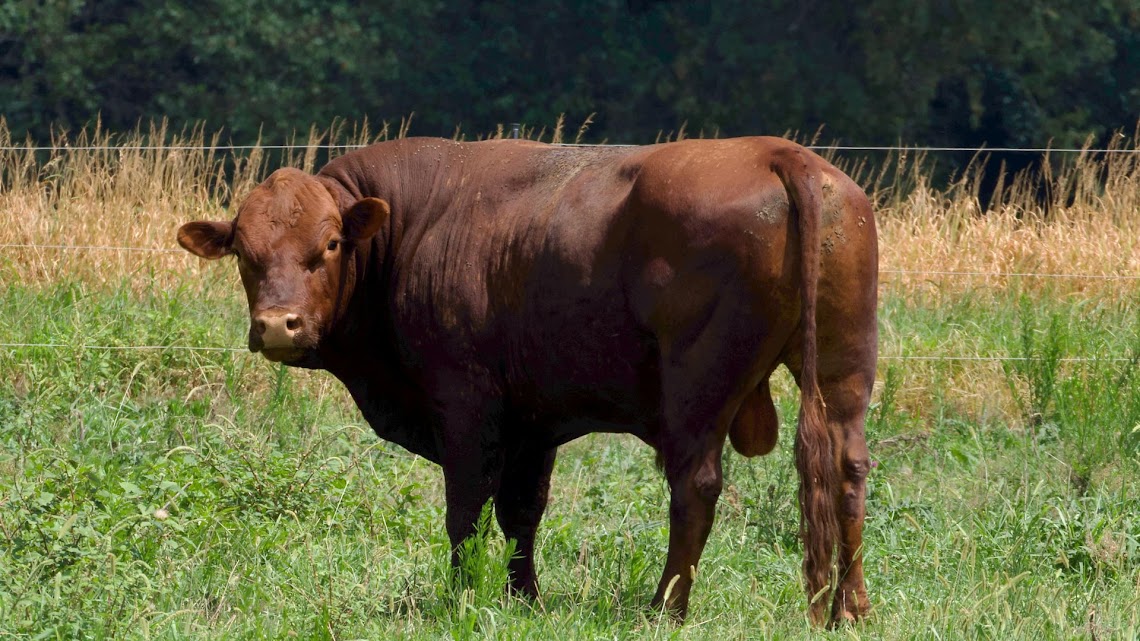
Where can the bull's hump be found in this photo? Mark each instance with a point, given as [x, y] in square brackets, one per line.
[539, 174]
[569, 161]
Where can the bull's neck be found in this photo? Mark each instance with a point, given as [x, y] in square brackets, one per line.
[412, 176]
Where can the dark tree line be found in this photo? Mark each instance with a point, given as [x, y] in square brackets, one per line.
[944, 72]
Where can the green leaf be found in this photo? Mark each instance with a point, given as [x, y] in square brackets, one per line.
[131, 489]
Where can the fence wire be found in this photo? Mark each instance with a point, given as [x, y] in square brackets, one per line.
[296, 147]
[918, 272]
[167, 250]
[185, 348]
[13, 347]
[886, 357]
[907, 272]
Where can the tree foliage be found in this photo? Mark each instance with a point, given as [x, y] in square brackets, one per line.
[966, 72]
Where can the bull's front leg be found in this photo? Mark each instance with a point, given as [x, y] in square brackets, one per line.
[472, 463]
[519, 504]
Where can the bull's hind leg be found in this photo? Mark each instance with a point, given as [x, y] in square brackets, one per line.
[847, 398]
[519, 504]
[704, 380]
[847, 373]
[695, 481]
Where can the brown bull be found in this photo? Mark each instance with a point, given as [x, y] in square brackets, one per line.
[487, 302]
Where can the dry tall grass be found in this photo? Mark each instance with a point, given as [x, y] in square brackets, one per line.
[1088, 226]
[105, 190]
[64, 207]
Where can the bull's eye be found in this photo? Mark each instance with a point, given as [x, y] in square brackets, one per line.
[333, 244]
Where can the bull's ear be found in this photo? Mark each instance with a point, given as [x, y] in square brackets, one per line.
[206, 238]
[364, 219]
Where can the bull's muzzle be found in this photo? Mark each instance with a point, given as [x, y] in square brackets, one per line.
[277, 330]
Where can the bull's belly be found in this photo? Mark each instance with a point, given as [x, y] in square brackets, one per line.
[560, 419]
[573, 428]
[580, 387]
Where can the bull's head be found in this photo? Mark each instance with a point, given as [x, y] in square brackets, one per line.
[295, 250]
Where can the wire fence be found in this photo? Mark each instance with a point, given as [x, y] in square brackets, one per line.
[906, 272]
[333, 146]
[921, 272]
[885, 357]
[882, 357]
[157, 250]
[175, 348]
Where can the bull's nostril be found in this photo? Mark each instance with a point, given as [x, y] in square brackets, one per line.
[259, 327]
[293, 322]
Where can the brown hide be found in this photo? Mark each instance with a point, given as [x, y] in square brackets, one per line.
[486, 302]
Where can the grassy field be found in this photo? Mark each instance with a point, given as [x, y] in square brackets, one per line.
[150, 493]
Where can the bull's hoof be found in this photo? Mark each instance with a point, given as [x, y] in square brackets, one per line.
[654, 612]
[526, 591]
[847, 611]
[842, 618]
[674, 612]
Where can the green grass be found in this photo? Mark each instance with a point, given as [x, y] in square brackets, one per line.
[177, 494]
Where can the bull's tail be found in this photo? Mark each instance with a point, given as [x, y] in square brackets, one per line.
[815, 454]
